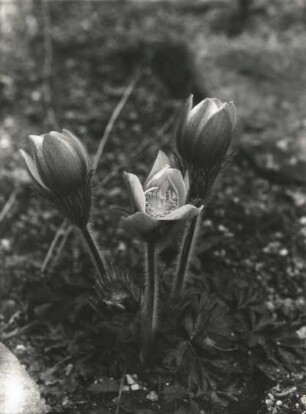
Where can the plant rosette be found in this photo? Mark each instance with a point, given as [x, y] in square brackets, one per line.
[160, 203]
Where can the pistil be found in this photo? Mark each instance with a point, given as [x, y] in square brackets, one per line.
[160, 203]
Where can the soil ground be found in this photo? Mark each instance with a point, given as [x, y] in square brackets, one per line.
[66, 65]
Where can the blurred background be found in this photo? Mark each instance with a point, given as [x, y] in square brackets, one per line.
[66, 64]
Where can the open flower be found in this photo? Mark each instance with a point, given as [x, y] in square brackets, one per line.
[162, 199]
[59, 168]
[205, 132]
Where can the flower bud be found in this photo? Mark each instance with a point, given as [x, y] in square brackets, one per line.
[204, 132]
[59, 166]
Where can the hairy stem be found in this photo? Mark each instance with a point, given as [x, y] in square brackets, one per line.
[95, 254]
[151, 301]
[186, 252]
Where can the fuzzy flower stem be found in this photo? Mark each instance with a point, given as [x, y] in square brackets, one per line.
[186, 252]
[151, 301]
[95, 254]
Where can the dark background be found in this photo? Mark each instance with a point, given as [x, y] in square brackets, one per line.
[66, 64]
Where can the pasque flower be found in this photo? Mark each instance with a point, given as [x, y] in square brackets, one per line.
[60, 169]
[161, 199]
[204, 132]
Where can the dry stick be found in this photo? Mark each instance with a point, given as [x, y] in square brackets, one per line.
[118, 402]
[60, 248]
[113, 119]
[9, 204]
[60, 232]
[63, 228]
[139, 150]
[19, 331]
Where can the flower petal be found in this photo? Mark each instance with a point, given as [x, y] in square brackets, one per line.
[76, 144]
[182, 213]
[137, 197]
[176, 179]
[198, 117]
[217, 102]
[32, 169]
[182, 122]
[36, 142]
[64, 168]
[213, 141]
[232, 113]
[186, 181]
[161, 162]
[201, 113]
[139, 224]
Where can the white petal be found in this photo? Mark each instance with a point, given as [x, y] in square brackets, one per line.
[176, 179]
[139, 225]
[157, 178]
[135, 191]
[160, 162]
[232, 113]
[77, 145]
[37, 141]
[32, 168]
[182, 213]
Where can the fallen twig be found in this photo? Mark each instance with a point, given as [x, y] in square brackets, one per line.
[19, 331]
[113, 119]
[9, 204]
[118, 401]
[66, 233]
[60, 233]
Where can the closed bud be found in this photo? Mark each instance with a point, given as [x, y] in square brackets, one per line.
[205, 132]
[59, 167]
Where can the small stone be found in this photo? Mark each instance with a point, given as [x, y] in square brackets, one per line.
[283, 252]
[301, 333]
[18, 392]
[152, 396]
[303, 400]
[135, 387]
[129, 379]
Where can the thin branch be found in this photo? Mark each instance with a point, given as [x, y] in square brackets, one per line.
[113, 119]
[60, 233]
[19, 331]
[9, 204]
[141, 147]
[118, 402]
[60, 248]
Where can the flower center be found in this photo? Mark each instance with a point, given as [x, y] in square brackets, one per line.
[161, 201]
